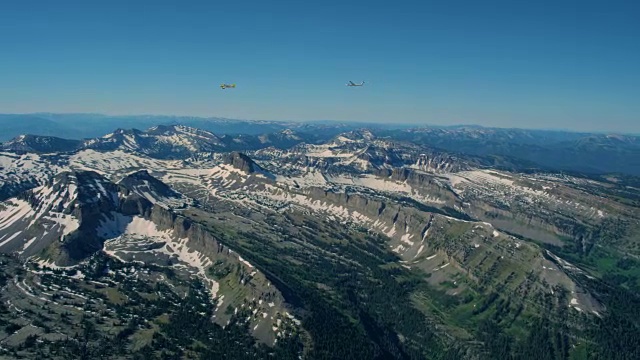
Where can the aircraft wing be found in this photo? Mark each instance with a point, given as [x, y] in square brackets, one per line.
[351, 83]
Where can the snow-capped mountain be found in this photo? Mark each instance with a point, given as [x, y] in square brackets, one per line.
[192, 138]
[172, 141]
[23, 171]
[66, 211]
[60, 213]
[362, 152]
[142, 184]
[283, 139]
[358, 149]
[163, 141]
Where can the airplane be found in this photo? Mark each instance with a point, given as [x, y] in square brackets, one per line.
[351, 83]
[225, 86]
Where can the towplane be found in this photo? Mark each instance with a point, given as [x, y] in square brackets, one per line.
[226, 86]
[351, 83]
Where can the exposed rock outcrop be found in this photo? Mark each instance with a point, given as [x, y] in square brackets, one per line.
[241, 162]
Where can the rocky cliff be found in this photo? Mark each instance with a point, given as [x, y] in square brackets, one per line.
[241, 162]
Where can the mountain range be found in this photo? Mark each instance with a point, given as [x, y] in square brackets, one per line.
[535, 150]
[363, 243]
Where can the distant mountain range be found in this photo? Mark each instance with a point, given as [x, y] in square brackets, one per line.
[162, 141]
[182, 137]
[81, 126]
[567, 151]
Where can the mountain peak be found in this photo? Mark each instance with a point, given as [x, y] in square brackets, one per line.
[289, 133]
[241, 162]
[178, 129]
[147, 186]
[355, 135]
[168, 129]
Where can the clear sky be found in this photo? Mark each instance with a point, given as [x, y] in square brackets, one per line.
[534, 64]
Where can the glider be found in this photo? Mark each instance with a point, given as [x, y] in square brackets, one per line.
[225, 86]
[351, 83]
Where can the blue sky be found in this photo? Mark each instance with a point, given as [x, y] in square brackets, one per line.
[535, 64]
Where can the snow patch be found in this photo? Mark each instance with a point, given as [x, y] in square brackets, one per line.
[28, 243]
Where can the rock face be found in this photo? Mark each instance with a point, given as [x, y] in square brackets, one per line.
[97, 200]
[241, 162]
[199, 238]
